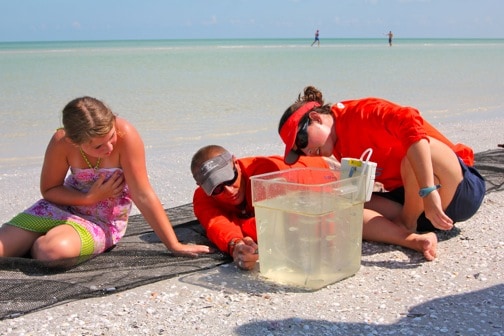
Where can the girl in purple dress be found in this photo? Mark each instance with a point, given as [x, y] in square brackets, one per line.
[94, 168]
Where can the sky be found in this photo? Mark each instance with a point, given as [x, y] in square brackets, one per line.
[63, 20]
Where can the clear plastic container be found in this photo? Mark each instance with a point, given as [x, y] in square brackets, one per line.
[309, 226]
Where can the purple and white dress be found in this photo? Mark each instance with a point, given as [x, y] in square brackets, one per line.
[100, 225]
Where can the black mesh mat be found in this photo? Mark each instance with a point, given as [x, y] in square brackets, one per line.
[490, 164]
[139, 259]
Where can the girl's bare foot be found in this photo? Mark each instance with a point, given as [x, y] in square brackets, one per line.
[425, 243]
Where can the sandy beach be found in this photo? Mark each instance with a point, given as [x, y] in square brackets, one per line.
[395, 292]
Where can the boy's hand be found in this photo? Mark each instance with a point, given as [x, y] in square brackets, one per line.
[245, 253]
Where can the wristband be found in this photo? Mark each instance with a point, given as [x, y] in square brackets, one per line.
[427, 190]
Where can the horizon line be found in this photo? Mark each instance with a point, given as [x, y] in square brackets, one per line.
[253, 38]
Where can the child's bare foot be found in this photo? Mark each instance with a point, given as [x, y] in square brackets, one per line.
[425, 243]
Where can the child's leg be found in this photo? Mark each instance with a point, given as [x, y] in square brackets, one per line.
[60, 242]
[447, 172]
[380, 229]
[16, 242]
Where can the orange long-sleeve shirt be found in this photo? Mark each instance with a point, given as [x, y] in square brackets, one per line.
[389, 129]
[224, 222]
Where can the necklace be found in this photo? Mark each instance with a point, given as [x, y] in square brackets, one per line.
[87, 161]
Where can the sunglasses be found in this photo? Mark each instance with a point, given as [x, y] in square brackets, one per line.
[220, 188]
[302, 136]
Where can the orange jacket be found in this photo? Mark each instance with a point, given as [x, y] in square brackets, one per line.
[223, 222]
[389, 129]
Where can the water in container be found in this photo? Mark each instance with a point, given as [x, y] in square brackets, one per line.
[309, 233]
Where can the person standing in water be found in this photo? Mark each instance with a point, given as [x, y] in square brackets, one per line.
[390, 36]
[317, 40]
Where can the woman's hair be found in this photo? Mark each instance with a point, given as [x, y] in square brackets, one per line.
[85, 118]
[310, 93]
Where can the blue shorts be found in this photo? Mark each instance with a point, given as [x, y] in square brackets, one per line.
[466, 201]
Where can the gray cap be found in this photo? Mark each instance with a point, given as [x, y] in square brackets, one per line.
[215, 171]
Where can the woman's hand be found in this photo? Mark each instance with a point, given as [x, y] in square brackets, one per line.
[434, 212]
[190, 250]
[112, 187]
[245, 254]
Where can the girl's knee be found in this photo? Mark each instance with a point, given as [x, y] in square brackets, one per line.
[46, 249]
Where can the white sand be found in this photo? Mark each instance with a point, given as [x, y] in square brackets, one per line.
[394, 293]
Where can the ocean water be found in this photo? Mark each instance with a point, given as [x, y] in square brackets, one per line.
[184, 94]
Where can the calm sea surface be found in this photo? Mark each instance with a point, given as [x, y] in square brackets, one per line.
[183, 94]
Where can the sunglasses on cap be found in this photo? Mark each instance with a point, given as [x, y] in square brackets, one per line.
[220, 188]
[302, 137]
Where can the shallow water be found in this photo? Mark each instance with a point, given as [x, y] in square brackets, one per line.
[184, 94]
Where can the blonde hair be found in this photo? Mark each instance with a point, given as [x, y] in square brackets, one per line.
[85, 118]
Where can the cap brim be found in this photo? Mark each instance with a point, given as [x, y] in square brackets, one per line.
[291, 157]
[289, 130]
